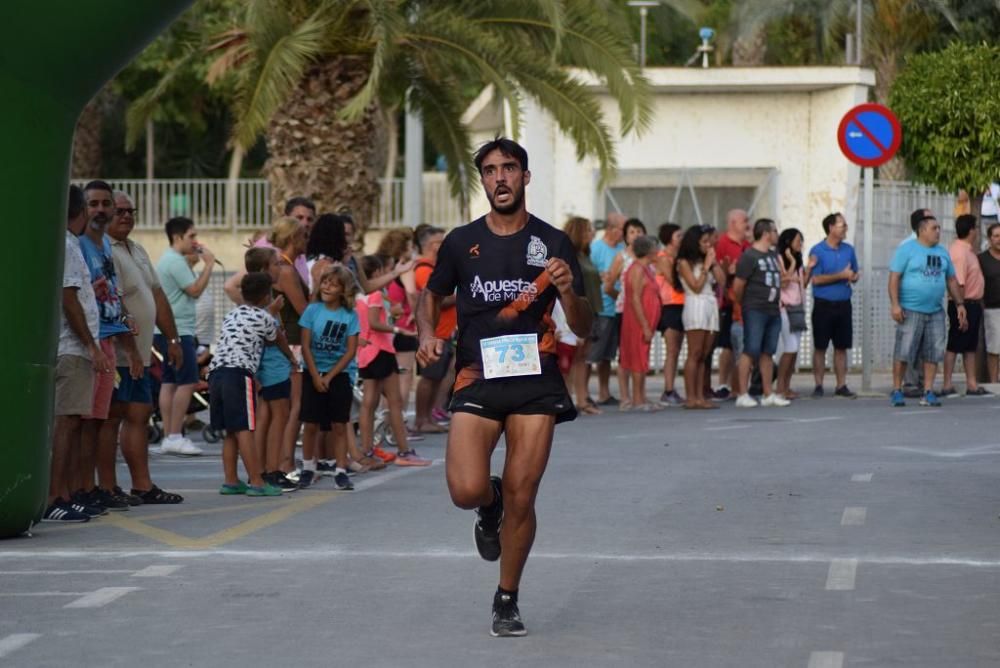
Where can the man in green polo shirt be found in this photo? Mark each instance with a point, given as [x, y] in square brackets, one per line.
[182, 289]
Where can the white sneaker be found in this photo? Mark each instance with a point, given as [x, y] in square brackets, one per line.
[746, 401]
[775, 401]
[180, 446]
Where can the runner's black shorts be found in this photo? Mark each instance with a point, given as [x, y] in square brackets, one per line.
[324, 408]
[497, 398]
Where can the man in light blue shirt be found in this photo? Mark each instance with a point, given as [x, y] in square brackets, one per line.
[605, 333]
[182, 289]
[919, 273]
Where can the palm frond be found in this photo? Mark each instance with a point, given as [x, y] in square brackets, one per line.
[441, 109]
[283, 58]
[144, 107]
[386, 25]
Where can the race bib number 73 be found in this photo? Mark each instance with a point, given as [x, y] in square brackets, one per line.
[511, 355]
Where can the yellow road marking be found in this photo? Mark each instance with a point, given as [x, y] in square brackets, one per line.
[228, 535]
[203, 511]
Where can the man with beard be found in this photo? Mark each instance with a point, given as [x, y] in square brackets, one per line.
[509, 268]
[132, 402]
[116, 330]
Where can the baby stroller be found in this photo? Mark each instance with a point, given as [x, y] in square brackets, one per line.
[199, 400]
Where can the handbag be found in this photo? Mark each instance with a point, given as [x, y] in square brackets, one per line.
[796, 317]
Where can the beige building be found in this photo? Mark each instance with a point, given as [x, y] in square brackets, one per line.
[763, 139]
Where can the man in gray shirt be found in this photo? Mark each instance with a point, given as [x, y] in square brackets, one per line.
[757, 289]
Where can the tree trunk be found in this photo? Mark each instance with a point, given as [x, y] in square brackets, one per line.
[86, 162]
[750, 51]
[315, 154]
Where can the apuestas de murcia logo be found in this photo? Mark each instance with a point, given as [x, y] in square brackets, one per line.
[502, 290]
[538, 254]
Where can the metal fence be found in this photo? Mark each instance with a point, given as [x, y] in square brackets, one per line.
[218, 204]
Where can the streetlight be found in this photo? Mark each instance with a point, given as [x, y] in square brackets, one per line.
[643, 6]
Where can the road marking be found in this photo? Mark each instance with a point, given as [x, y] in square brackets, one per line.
[16, 641]
[861, 477]
[95, 571]
[400, 471]
[240, 505]
[101, 597]
[828, 418]
[34, 594]
[923, 411]
[725, 557]
[854, 516]
[842, 574]
[826, 660]
[157, 571]
[726, 428]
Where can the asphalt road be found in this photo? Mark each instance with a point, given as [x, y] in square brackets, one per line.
[832, 533]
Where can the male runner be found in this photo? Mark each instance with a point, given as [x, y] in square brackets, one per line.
[509, 268]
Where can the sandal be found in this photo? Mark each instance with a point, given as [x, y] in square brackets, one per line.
[590, 409]
[373, 463]
[156, 496]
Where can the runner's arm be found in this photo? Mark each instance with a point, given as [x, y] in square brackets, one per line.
[428, 312]
[579, 314]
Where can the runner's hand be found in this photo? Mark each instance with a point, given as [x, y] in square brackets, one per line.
[430, 351]
[897, 314]
[175, 355]
[562, 275]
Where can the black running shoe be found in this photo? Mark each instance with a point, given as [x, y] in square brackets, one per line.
[278, 479]
[80, 502]
[62, 512]
[107, 499]
[130, 499]
[487, 528]
[341, 480]
[306, 479]
[506, 617]
[845, 392]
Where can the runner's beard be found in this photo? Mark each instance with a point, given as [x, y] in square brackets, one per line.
[516, 200]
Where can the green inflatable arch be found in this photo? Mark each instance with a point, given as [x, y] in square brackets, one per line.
[54, 56]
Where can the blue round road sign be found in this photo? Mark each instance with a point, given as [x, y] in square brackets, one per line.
[869, 135]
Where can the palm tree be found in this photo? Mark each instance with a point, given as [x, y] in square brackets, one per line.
[316, 78]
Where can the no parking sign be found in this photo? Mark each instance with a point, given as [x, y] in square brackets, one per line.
[869, 135]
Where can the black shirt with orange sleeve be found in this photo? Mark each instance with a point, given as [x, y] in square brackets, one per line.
[503, 287]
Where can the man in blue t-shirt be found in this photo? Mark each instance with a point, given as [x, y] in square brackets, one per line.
[115, 327]
[605, 345]
[834, 269]
[919, 273]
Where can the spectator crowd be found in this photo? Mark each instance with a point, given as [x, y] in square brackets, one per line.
[318, 350]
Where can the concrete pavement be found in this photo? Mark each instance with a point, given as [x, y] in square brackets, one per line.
[831, 533]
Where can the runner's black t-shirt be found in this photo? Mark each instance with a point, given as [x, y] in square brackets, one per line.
[503, 287]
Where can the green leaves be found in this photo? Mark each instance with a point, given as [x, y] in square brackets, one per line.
[949, 107]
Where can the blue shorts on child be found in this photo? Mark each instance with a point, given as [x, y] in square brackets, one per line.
[232, 402]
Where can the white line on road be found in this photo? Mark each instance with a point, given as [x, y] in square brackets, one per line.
[101, 597]
[854, 516]
[157, 571]
[116, 571]
[726, 556]
[828, 418]
[826, 660]
[861, 477]
[399, 472]
[923, 411]
[842, 574]
[16, 641]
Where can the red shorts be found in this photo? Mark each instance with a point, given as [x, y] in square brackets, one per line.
[565, 354]
[104, 384]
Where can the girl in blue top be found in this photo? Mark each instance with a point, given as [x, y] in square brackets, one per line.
[330, 331]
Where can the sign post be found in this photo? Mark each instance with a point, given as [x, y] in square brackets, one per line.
[869, 135]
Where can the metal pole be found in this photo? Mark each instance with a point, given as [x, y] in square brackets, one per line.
[859, 18]
[642, 37]
[867, 354]
[413, 200]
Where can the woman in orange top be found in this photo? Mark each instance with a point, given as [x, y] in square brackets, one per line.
[671, 323]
